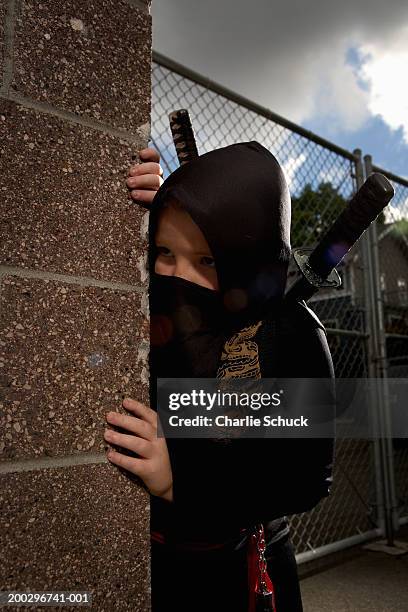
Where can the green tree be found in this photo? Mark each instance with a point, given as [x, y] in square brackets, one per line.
[314, 211]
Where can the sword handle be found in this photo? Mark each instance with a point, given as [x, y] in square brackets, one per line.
[183, 136]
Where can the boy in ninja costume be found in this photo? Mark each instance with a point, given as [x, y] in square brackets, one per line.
[219, 249]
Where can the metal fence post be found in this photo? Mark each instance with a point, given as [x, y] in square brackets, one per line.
[371, 348]
[381, 368]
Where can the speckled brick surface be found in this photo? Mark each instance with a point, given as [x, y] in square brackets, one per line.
[64, 203]
[80, 528]
[2, 17]
[71, 351]
[91, 58]
[68, 355]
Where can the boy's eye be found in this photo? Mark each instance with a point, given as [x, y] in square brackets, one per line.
[164, 251]
[208, 261]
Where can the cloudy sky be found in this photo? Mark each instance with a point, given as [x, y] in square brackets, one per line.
[339, 69]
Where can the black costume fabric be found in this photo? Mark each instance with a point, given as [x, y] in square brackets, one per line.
[187, 334]
[238, 197]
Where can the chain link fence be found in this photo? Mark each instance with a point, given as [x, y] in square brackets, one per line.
[392, 237]
[322, 178]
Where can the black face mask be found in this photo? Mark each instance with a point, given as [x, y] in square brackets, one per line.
[187, 324]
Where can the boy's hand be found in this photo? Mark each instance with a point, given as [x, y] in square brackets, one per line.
[154, 466]
[145, 178]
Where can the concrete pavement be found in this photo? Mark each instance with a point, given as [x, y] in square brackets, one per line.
[359, 581]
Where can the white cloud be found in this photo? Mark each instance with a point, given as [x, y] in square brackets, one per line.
[385, 69]
[291, 166]
[292, 56]
[396, 212]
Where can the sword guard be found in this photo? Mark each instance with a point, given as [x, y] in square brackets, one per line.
[301, 257]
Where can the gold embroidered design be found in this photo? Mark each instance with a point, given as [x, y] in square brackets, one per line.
[239, 358]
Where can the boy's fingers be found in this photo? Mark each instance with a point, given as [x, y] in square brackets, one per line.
[145, 181]
[149, 154]
[146, 168]
[141, 409]
[136, 466]
[142, 196]
[138, 445]
[139, 426]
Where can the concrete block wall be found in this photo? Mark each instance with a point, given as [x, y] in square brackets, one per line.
[74, 110]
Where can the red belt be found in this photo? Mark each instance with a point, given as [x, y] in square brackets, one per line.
[261, 589]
